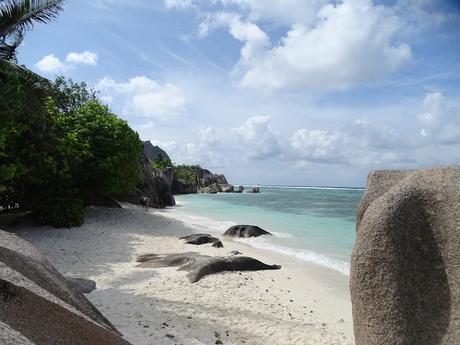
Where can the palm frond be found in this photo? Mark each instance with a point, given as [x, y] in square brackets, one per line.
[20, 15]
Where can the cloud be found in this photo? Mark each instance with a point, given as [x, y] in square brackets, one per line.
[256, 138]
[50, 64]
[144, 97]
[352, 43]
[440, 120]
[318, 145]
[179, 4]
[84, 58]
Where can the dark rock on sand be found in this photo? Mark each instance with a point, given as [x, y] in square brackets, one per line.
[235, 252]
[245, 231]
[199, 239]
[405, 268]
[39, 306]
[218, 244]
[82, 285]
[200, 265]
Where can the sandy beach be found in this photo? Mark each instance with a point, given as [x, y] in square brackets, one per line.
[299, 304]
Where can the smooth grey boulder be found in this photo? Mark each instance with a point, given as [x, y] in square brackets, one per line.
[81, 284]
[198, 239]
[38, 303]
[405, 266]
[245, 231]
[199, 265]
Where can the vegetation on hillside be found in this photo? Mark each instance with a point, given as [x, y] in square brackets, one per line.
[187, 173]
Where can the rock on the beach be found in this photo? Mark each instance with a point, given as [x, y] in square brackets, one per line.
[405, 268]
[212, 183]
[245, 231]
[199, 239]
[39, 306]
[218, 244]
[81, 284]
[200, 265]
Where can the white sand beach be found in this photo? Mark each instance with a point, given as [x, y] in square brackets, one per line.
[298, 304]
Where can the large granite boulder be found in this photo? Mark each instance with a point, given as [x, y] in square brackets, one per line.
[39, 306]
[156, 184]
[180, 186]
[199, 239]
[245, 231]
[199, 265]
[405, 267]
[155, 153]
[212, 183]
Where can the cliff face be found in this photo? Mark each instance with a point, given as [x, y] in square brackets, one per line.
[405, 267]
[154, 153]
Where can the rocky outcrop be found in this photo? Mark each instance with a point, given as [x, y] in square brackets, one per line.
[155, 153]
[156, 184]
[245, 231]
[207, 182]
[405, 267]
[180, 186]
[38, 305]
[254, 190]
[200, 265]
[239, 190]
[199, 239]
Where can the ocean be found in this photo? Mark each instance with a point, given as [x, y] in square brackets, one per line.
[313, 224]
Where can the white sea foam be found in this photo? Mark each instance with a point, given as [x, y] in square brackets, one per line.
[301, 254]
[204, 224]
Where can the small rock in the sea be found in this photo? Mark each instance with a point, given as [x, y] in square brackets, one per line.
[218, 341]
[170, 336]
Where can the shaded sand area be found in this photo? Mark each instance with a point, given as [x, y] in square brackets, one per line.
[299, 304]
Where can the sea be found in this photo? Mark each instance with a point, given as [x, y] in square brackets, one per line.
[312, 224]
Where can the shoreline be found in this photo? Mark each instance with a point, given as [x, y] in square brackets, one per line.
[304, 304]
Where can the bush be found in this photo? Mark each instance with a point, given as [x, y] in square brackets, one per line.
[187, 173]
[59, 156]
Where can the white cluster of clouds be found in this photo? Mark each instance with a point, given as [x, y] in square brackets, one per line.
[50, 64]
[144, 97]
[327, 46]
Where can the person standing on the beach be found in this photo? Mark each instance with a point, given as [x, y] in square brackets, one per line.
[145, 200]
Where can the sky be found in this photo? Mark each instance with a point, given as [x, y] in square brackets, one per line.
[287, 92]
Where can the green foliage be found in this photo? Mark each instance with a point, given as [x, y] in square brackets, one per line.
[61, 153]
[187, 172]
[161, 163]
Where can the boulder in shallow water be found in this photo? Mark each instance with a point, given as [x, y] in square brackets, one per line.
[405, 267]
[200, 265]
[245, 231]
[38, 305]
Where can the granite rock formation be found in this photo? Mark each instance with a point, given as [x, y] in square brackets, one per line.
[39, 306]
[207, 182]
[154, 153]
[200, 265]
[180, 186]
[405, 268]
[245, 231]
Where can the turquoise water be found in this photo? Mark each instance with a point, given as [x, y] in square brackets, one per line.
[311, 223]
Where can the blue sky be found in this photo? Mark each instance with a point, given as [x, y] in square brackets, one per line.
[301, 92]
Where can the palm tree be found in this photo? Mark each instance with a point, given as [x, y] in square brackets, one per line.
[17, 16]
